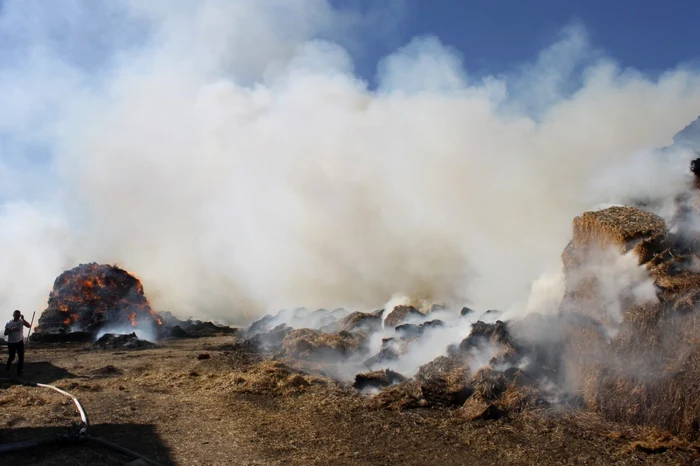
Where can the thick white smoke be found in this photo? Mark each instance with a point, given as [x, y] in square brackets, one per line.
[227, 153]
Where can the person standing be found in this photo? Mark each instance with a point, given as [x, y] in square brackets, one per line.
[14, 329]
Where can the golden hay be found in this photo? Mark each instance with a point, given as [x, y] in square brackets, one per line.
[405, 395]
[443, 381]
[667, 400]
[500, 394]
[313, 344]
[362, 321]
[400, 314]
[647, 374]
[616, 226]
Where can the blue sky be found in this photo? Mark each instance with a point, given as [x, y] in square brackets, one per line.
[495, 35]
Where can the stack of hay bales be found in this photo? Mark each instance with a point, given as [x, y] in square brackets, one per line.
[646, 371]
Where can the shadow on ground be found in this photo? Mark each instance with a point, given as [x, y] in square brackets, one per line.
[136, 437]
[35, 372]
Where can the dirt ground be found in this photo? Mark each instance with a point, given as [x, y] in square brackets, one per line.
[236, 407]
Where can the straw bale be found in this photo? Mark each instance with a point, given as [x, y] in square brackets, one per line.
[363, 321]
[313, 344]
[496, 333]
[571, 257]
[647, 374]
[391, 350]
[667, 400]
[271, 340]
[399, 397]
[622, 228]
[388, 352]
[650, 248]
[616, 226]
[497, 394]
[585, 344]
[401, 314]
[681, 281]
[262, 325]
[646, 371]
[443, 381]
[408, 330]
[477, 408]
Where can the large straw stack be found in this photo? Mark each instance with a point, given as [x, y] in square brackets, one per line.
[647, 369]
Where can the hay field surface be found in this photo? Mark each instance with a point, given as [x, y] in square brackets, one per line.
[238, 407]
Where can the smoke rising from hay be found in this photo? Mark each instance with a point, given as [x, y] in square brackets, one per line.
[228, 155]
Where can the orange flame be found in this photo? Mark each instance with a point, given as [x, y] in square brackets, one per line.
[132, 318]
[67, 321]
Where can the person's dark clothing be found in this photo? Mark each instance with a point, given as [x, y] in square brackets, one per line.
[18, 349]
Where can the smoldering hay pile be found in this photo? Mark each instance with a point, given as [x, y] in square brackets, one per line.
[630, 350]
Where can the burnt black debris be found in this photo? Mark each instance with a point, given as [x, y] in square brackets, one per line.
[377, 379]
[121, 341]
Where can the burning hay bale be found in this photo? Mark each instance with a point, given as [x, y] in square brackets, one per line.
[496, 394]
[494, 336]
[406, 331]
[409, 331]
[399, 397]
[91, 296]
[271, 340]
[400, 314]
[644, 372]
[112, 341]
[316, 345]
[391, 350]
[262, 325]
[668, 398]
[621, 229]
[482, 332]
[616, 226]
[598, 240]
[377, 379]
[361, 321]
[323, 318]
[444, 381]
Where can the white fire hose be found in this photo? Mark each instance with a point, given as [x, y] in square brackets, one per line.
[79, 435]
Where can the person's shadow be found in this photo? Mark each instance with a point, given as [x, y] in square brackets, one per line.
[36, 372]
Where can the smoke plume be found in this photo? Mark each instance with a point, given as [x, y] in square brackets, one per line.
[229, 155]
